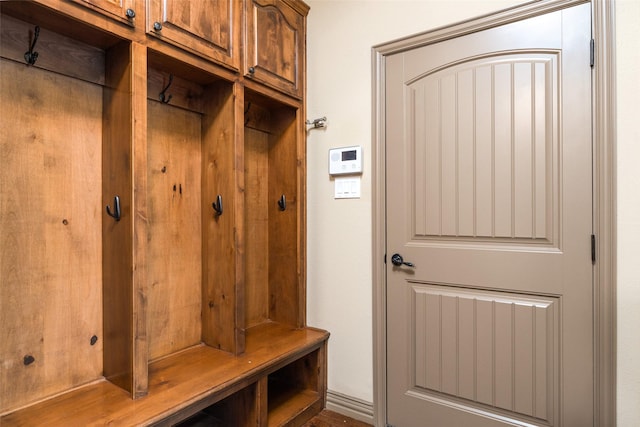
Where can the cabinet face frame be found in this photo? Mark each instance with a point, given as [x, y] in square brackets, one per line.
[125, 87]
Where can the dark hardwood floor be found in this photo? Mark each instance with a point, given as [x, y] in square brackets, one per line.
[332, 419]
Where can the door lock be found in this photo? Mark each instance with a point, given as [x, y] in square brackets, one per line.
[396, 259]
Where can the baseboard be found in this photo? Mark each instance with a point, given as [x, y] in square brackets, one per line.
[350, 406]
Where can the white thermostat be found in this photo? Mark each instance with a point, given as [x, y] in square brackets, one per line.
[345, 160]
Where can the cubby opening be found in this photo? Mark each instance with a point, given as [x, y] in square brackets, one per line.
[241, 409]
[273, 268]
[57, 287]
[190, 246]
[294, 390]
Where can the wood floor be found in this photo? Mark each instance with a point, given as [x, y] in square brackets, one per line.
[333, 419]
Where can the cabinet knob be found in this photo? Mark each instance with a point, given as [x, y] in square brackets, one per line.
[157, 26]
[252, 70]
[131, 13]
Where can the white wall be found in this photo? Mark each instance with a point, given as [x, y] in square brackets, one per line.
[628, 81]
[341, 34]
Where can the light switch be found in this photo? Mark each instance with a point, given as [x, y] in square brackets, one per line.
[347, 188]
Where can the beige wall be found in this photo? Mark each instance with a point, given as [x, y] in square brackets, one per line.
[341, 34]
[628, 106]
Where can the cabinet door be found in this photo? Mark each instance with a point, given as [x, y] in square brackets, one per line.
[275, 43]
[204, 27]
[122, 10]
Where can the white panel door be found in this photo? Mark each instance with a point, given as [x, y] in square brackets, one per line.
[489, 196]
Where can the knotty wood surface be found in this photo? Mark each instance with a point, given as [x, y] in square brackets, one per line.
[116, 62]
[174, 266]
[181, 384]
[274, 47]
[199, 27]
[285, 282]
[50, 233]
[222, 251]
[256, 223]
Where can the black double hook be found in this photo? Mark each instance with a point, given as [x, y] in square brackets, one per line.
[31, 56]
[116, 214]
[163, 98]
[217, 205]
[282, 203]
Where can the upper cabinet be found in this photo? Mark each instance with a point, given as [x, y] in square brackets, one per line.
[275, 44]
[204, 27]
[122, 10]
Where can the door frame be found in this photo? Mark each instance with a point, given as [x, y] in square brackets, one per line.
[604, 190]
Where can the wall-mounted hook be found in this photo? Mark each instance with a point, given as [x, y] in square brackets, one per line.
[32, 56]
[217, 205]
[163, 98]
[282, 203]
[116, 214]
[317, 123]
[246, 110]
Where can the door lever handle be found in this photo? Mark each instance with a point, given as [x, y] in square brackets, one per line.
[397, 260]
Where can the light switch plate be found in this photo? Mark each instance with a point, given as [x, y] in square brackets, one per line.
[347, 188]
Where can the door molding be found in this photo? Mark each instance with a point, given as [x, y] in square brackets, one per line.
[604, 188]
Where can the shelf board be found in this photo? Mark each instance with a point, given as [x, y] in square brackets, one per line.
[179, 385]
[289, 405]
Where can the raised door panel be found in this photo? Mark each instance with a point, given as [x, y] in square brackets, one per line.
[497, 181]
[275, 43]
[205, 27]
[122, 10]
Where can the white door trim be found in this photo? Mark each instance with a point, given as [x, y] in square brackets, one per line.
[604, 191]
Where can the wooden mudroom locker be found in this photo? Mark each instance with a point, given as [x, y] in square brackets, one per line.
[152, 214]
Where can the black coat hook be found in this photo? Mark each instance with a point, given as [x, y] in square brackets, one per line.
[163, 98]
[116, 214]
[32, 56]
[282, 203]
[217, 205]
[246, 110]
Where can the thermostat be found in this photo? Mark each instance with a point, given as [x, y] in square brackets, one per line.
[345, 160]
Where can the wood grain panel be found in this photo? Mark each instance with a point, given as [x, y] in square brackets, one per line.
[489, 348]
[274, 42]
[118, 292]
[138, 120]
[55, 52]
[201, 19]
[476, 175]
[222, 293]
[50, 232]
[284, 261]
[204, 27]
[272, 279]
[273, 33]
[175, 229]
[114, 8]
[180, 385]
[256, 223]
